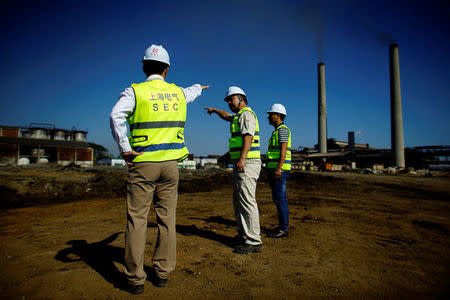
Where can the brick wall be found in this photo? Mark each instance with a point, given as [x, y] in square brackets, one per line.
[8, 150]
[84, 154]
[9, 132]
[66, 154]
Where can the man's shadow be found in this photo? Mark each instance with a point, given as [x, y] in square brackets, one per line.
[228, 223]
[99, 256]
[188, 230]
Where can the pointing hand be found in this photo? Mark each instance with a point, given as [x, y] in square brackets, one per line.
[204, 87]
[209, 110]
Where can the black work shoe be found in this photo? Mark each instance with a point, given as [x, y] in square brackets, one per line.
[134, 289]
[238, 240]
[279, 234]
[247, 248]
[156, 280]
[124, 285]
[159, 282]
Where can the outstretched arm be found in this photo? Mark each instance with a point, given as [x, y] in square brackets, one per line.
[191, 93]
[221, 113]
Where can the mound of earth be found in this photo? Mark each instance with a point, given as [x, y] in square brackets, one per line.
[39, 185]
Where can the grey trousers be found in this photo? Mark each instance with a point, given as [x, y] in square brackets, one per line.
[150, 181]
[244, 202]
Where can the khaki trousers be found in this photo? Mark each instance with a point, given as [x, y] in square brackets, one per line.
[244, 201]
[151, 182]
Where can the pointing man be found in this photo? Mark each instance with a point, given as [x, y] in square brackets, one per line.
[245, 153]
[156, 113]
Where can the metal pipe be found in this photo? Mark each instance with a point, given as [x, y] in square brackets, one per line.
[322, 108]
[397, 141]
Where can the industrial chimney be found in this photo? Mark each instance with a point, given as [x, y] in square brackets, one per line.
[351, 141]
[397, 141]
[322, 108]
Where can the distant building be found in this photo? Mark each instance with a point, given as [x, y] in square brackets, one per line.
[334, 145]
[111, 162]
[202, 161]
[433, 157]
[42, 143]
[187, 164]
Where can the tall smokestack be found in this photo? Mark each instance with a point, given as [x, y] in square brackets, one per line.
[397, 141]
[351, 141]
[322, 108]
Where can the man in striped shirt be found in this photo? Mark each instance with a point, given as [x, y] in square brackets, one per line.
[283, 135]
[279, 166]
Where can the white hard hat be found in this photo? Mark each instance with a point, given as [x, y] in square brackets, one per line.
[234, 90]
[277, 108]
[157, 53]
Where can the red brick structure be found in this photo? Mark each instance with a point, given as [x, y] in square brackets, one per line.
[18, 146]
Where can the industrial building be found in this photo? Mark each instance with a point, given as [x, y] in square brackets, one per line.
[42, 143]
[107, 161]
[350, 153]
[201, 161]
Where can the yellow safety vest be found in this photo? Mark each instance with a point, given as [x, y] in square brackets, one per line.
[236, 141]
[273, 153]
[157, 123]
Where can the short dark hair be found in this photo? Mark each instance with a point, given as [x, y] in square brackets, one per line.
[282, 117]
[151, 67]
[243, 98]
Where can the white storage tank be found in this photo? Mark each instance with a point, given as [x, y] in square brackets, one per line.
[23, 161]
[60, 134]
[39, 133]
[79, 135]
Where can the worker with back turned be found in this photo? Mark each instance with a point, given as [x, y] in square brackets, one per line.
[156, 113]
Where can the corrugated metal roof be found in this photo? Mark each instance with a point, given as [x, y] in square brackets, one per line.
[43, 142]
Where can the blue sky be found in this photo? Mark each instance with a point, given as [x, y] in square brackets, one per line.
[66, 62]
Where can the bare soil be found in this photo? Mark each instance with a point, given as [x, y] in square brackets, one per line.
[351, 235]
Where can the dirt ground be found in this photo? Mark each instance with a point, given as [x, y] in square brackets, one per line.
[351, 235]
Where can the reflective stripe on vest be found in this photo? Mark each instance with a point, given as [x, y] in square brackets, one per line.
[239, 133]
[236, 141]
[273, 153]
[158, 147]
[157, 124]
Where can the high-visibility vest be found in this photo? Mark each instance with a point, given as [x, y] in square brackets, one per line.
[236, 141]
[273, 153]
[157, 123]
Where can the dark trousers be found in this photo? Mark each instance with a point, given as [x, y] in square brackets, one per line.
[279, 197]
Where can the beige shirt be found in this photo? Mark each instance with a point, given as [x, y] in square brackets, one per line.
[247, 125]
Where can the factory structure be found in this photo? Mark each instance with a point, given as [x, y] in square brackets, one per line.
[329, 151]
[42, 143]
[330, 154]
